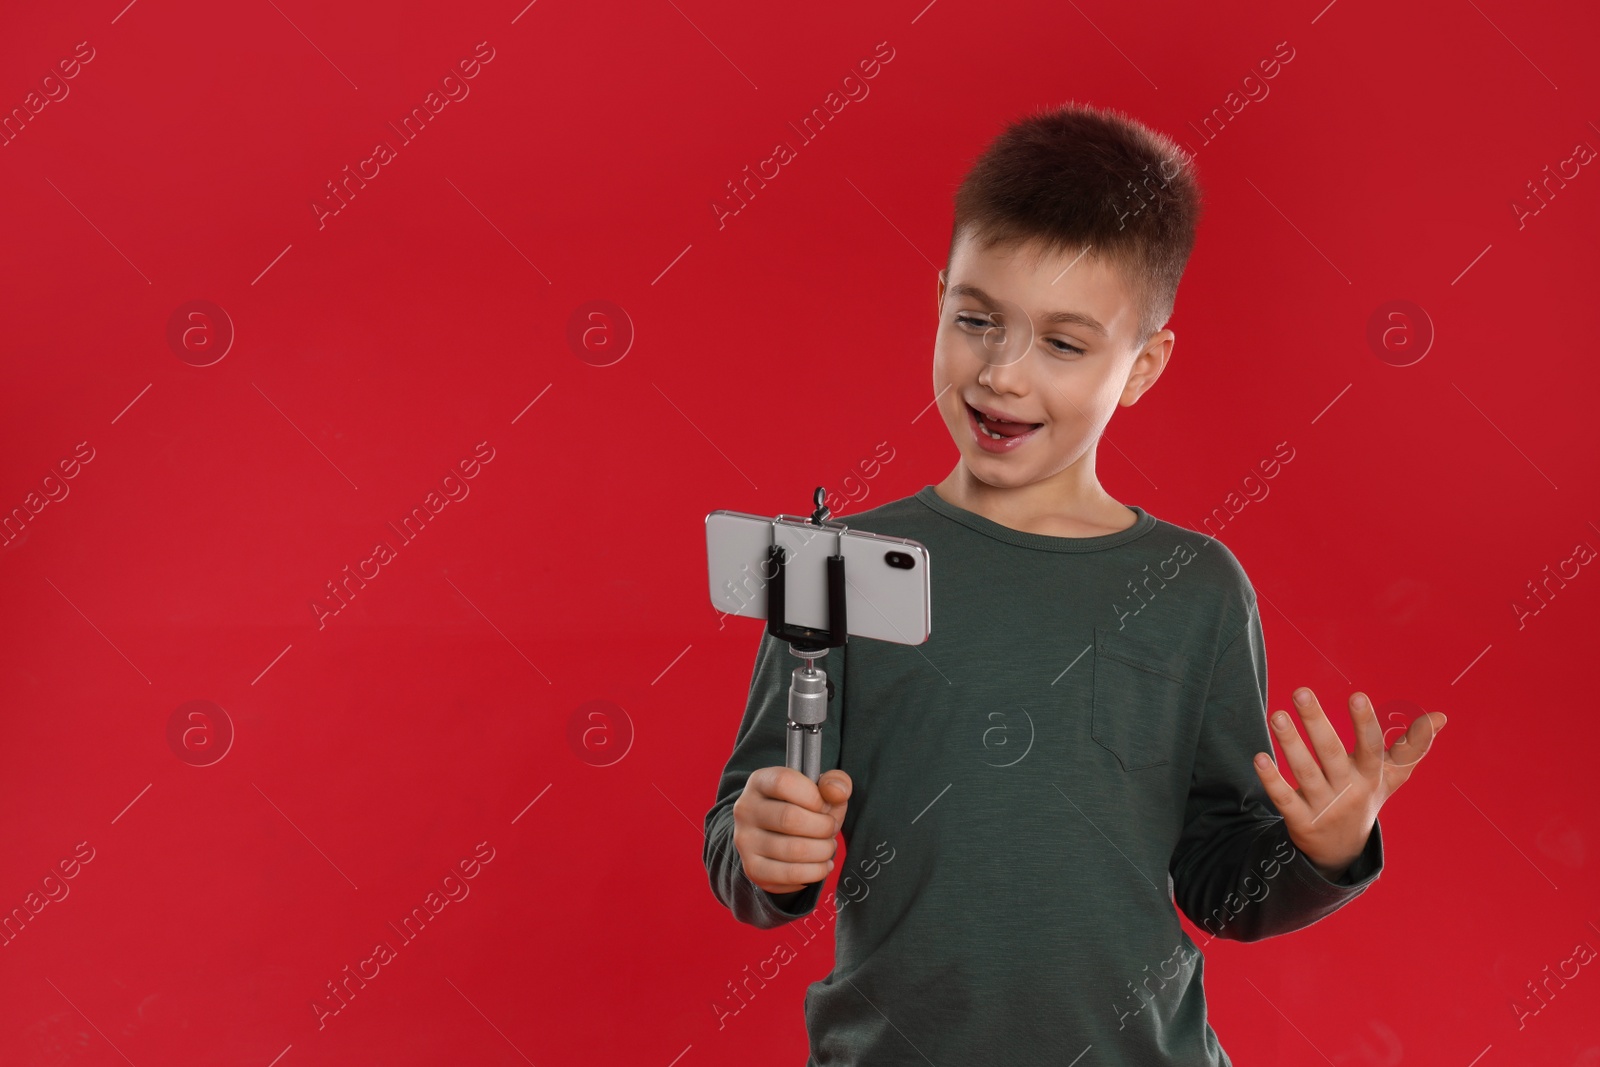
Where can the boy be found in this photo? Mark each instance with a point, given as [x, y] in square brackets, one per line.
[1027, 796]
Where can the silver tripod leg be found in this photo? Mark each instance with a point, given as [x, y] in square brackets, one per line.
[808, 710]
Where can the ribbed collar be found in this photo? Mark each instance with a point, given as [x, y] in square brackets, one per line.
[988, 527]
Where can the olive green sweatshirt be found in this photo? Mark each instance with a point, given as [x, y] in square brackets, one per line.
[1037, 789]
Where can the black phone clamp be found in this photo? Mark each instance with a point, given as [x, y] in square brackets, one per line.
[810, 689]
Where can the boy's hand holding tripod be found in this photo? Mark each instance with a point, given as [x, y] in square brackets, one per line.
[786, 826]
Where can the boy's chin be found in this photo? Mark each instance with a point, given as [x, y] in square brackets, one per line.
[1000, 472]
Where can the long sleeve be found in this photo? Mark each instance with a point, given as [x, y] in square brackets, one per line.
[1236, 873]
[760, 743]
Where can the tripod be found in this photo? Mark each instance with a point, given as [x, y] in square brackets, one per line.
[809, 689]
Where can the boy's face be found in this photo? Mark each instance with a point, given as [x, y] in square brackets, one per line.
[1003, 345]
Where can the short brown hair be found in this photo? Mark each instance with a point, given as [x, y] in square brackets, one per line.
[1076, 177]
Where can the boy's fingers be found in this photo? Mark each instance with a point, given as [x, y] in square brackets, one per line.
[788, 784]
[1306, 771]
[787, 848]
[795, 862]
[785, 877]
[1409, 750]
[836, 788]
[837, 780]
[783, 817]
[1324, 738]
[1369, 737]
[1278, 790]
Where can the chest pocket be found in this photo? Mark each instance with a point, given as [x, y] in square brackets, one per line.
[1140, 696]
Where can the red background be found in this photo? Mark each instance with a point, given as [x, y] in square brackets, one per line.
[446, 704]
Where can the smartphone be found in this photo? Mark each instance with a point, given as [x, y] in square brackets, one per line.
[888, 591]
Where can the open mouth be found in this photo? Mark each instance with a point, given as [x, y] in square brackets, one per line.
[999, 429]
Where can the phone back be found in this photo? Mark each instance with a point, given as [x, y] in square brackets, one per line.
[888, 586]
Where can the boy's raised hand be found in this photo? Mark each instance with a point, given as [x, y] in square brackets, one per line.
[1330, 816]
[785, 826]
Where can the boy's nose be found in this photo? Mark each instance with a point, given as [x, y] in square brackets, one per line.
[1007, 371]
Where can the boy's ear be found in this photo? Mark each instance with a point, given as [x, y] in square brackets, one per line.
[1147, 367]
[939, 303]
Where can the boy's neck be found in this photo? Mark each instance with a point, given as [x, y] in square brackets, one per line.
[1051, 508]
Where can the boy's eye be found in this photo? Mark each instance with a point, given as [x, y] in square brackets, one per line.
[1058, 346]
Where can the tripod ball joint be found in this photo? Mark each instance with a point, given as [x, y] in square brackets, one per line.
[809, 692]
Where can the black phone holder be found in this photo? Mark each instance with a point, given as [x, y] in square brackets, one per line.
[810, 689]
